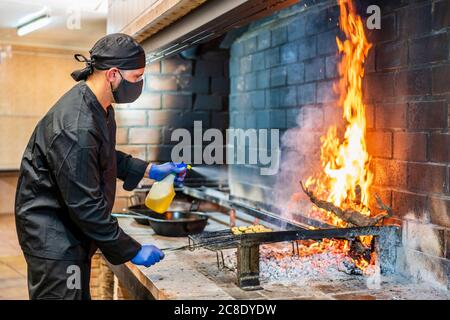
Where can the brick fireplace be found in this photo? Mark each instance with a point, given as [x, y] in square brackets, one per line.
[279, 72]
[282, 72]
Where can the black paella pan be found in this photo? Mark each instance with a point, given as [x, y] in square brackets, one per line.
[171, 223]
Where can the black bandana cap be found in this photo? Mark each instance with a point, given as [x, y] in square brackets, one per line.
[114, 50]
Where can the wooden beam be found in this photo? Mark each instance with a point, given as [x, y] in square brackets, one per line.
[158, 16]
[351, 216]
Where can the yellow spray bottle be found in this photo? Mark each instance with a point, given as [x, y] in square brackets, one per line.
[161, 194]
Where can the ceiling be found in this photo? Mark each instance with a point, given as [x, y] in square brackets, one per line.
[64, 31]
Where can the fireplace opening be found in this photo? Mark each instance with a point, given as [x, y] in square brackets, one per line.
[362, 186]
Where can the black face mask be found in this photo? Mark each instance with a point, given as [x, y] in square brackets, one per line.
[126, 91]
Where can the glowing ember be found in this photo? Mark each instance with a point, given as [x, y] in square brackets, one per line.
[345, 177]
[313, 260]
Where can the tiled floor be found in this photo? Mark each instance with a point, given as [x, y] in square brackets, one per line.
[13, 270]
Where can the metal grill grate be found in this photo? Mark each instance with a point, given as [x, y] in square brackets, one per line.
[214, 240]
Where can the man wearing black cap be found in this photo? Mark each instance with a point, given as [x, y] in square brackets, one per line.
[67, 182]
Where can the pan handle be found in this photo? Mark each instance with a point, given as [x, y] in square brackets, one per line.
[129, 215]
[195, 205]
[134, 200]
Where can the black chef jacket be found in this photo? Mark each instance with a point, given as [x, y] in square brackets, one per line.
[67, 183]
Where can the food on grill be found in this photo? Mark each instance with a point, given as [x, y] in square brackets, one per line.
[250, 229]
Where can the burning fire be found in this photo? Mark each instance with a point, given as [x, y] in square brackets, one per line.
[345, 177]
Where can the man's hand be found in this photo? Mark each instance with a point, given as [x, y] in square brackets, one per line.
[159, 172]
[148, 256]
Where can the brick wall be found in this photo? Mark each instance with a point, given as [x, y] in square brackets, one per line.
[282, 71]
[410, 139]
[177, 92]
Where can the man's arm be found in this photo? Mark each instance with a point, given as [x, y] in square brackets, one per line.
[73, 159]
[131, 170]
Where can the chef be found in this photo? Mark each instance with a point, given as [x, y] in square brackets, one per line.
[67, 182]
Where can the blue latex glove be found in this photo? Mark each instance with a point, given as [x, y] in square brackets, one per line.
[159, 172]
[148, 256]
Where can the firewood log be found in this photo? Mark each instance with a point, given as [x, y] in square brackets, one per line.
[353, 217]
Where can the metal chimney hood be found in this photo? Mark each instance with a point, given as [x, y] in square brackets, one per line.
[208, 21]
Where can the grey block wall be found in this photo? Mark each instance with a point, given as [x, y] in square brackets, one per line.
[177, 92]
[277, 68]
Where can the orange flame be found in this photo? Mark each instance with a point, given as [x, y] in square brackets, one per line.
[346, 177]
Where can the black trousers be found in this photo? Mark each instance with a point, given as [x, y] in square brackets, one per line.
[58, 279]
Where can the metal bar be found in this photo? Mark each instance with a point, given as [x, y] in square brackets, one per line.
[227, 238]
[220, 260]
[123, 215]
[276, 219]
[248, 267]
[223, 200]
[337, 233]
[387, 252]
[190, 25]
[175, 249]
[301, 221]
